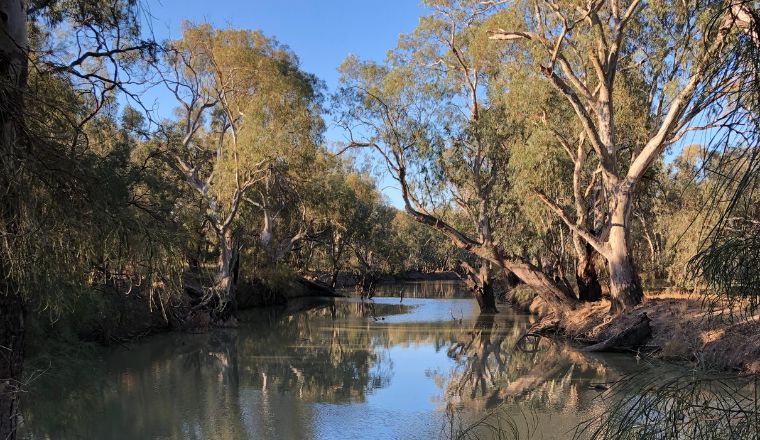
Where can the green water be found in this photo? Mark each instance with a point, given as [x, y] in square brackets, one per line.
[418, 367]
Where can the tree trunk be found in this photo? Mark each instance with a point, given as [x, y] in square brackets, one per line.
[13, 75]
[486, 298]
[334, 277]
[336, 252]
[586, 276]
[629, 339]
[228, 267]
[479, 283]
[11, 360]
[559, 299]
[625, 288]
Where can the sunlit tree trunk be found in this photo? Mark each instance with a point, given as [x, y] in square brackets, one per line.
[336, 253]
[13, 75]
[608, 30]
[625, 288]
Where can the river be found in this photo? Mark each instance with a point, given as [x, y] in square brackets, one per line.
[417, 362]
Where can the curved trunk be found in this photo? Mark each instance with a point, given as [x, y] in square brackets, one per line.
[546, 288]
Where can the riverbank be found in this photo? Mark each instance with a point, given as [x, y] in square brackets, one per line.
[682, 328]
[110, 317]
[347, 280]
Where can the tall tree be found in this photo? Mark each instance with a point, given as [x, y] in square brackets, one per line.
[244, 105]
[410, 114]
[81, 53]
[581, 49]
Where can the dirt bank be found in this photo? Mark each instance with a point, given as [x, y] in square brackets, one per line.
[682, 329]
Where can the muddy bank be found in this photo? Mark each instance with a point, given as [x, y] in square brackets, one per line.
[681, 329]
[257, 294]
[110, 317]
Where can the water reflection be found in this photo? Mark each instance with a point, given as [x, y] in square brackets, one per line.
[424, 289]
[341, 369]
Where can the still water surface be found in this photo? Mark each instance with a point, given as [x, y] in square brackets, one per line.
[418, 363]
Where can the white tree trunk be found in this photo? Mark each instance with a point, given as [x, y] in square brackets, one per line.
[625, 288]
[227, 270]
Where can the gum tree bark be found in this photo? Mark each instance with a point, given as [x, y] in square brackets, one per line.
[586, 276]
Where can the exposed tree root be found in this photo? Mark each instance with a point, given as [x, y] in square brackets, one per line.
[629, 339]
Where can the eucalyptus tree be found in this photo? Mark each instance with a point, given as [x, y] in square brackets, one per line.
[244, 106]
[670, 50]
[422, 249]
[284, 213]
[61, 63]
[427, 113]
[353, 201]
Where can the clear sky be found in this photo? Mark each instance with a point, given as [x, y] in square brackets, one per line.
[321, 32]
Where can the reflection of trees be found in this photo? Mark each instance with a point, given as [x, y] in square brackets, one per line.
[482, 356]
[425, 289]
[223, 384]
[253, 382]
[328, 363]
[491, 367]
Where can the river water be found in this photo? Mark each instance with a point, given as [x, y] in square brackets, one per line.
[417, 363]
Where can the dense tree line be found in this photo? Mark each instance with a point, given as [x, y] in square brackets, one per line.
[551, 143]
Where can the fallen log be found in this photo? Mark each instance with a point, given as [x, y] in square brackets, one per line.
[627, 340]
[317, 288]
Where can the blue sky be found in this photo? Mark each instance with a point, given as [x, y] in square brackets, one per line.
[321, 33]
